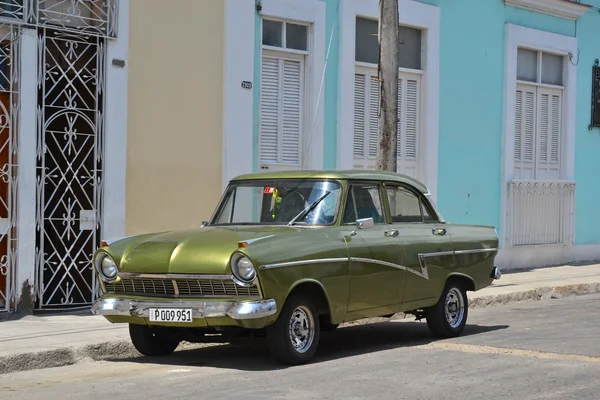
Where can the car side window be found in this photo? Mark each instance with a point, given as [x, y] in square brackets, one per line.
[363, 201]
[405, 206]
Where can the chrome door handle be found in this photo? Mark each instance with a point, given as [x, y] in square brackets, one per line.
[392, 233]
[439, 231]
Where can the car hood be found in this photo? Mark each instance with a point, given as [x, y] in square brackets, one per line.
[205, 250]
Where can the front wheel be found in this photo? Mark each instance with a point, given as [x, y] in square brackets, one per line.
[152, 341]
[294, 336]
[449, 316]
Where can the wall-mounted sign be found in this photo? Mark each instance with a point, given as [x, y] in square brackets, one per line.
[118, 63]
[246, 85]
[595, 96]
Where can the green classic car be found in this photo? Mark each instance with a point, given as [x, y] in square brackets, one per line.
[288, 255]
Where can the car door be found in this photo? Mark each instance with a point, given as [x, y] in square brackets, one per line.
[427, 245]
[376, 258]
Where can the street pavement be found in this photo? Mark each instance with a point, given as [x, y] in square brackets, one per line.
[548, 349]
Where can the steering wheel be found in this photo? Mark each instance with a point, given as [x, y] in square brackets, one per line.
[291, 205]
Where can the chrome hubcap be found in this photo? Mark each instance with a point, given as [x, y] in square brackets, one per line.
[455, 307]
[301, 329]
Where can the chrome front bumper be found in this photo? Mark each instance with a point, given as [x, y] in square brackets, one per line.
[200, 309]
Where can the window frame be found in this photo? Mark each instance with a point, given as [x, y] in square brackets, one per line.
[261, 182]
[344, 201]
[371, 65]
[538, 88]
[423, 203]
[539, 68]
[283, 47]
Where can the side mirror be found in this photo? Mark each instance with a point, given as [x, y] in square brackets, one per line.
[365, 223]
[204, 223]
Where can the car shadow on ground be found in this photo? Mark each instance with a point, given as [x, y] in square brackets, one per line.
[344, 342]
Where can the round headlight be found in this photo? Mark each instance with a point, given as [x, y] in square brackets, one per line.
[243, 268]
[107, 267]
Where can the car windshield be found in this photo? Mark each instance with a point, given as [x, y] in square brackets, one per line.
[279, 202]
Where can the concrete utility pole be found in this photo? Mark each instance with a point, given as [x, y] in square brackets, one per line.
[388, 89]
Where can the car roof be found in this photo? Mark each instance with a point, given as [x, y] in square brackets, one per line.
[355, 174]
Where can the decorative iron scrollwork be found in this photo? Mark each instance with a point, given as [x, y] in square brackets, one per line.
[595, 96]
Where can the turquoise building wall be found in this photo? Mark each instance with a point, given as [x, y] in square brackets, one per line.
[472, 51]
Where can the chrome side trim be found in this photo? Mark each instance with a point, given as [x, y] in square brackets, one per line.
[385, 263]
[303, 262]
[200, 309]
[423, 263]
[250, 241]
[474, 251]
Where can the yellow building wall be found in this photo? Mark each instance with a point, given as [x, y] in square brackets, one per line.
[175, 108]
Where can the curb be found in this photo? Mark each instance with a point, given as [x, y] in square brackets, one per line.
[124, 349]
[70, 356]
[541, 293]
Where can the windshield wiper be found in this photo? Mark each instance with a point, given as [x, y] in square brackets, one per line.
[308, 209]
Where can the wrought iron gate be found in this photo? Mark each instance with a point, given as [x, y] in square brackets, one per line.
[69, 165]
[9, 107]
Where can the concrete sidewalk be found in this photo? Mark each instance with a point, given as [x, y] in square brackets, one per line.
[43, 341]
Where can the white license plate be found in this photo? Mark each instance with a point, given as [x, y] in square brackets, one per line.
[171, 315]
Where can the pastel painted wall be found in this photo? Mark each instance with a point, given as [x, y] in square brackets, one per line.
[587, 143]
[332, 30]
[471, 107]
[174, 147]
[471, 110]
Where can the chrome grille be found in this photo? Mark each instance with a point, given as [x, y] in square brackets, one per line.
[187, 287]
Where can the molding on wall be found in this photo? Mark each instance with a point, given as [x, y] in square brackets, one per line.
[115, 131]
[557, 8]
[546, 255]
[238, 66]
[26, 173]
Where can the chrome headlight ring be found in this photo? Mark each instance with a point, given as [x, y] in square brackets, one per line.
[106, 267]
[243, 270]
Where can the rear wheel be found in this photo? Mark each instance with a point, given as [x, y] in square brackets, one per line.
[449, 316]
[152, 341]
[294, 336]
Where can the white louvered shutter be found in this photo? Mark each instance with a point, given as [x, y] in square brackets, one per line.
[281, 97]
[399, 137]
[269, 110]
[373, 115]
[548, 143]
[525, 127]
[359, 115]
[408, 122]
[411, 115]
[291, 113]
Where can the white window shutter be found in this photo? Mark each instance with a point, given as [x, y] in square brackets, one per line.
[412, 117]
[281, 97]
[528, 132]
[549, 125]
[373, 115]
[544, 115]
[359, 115]
[399, 136]
[269, 110]
[291, 112]
[555, 122]
[518, 125]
